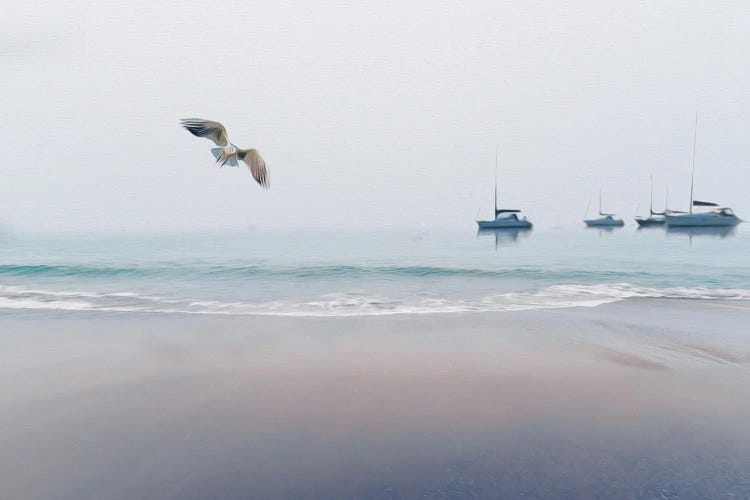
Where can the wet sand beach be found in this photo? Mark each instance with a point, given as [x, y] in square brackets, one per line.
[637, 399]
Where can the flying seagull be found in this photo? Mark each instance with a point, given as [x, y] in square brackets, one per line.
[227, 153]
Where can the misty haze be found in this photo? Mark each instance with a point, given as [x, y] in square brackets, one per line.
[381, 250]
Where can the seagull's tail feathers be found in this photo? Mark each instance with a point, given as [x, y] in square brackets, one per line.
[221, 158]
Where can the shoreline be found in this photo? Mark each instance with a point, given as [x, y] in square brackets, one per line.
[733, 303]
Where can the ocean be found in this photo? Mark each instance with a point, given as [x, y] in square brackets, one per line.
[369, 272]
[561, 363]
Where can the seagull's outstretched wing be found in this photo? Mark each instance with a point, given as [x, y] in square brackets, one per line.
[208, 129]
[256, 163]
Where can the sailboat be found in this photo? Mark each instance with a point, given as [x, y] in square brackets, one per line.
[505, 218]
[605, 220]
[654, 218]
[717, 216]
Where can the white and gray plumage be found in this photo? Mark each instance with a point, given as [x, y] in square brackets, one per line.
[228, 153]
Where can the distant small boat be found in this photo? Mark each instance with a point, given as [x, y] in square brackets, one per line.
[654, 218]
[505, 218]
[716, 217]
[606, 220]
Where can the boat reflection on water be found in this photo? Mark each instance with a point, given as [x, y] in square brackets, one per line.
[505, 236]
[602, 231]
[703, 231]
[650, 227]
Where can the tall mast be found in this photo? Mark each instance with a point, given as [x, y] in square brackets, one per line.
[692, 176]
[651, 203]
[600, 201]
[495, 182]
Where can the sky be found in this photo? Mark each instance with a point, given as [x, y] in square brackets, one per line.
[369, 114]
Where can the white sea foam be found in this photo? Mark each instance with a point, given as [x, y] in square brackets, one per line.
[356, 303]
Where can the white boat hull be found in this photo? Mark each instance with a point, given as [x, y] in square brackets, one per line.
[504, 224]
[702, 220]
[650, 221]
[604, 222]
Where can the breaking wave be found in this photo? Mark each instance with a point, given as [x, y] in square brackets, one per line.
[356, 303]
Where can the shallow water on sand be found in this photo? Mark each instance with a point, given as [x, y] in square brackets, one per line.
[637, 399]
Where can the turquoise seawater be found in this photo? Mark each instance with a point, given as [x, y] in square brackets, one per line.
[370, 272]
